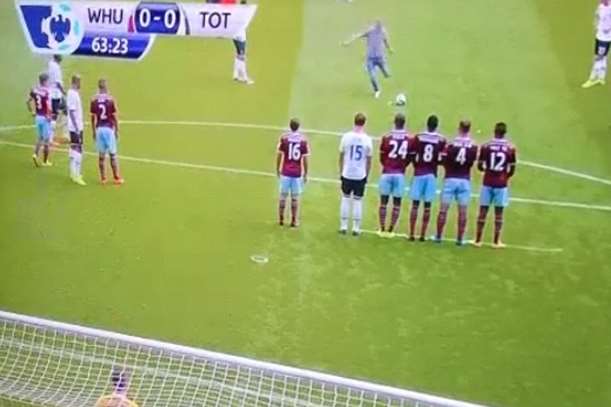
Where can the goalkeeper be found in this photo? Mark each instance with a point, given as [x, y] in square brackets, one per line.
[118, 398]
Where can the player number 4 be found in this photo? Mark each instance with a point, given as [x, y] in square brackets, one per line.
[397, 149]
[461, 157]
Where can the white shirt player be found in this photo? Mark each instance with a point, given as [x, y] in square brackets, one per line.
[55, 77]
[356, 147]
[603, 23]
[74, 105]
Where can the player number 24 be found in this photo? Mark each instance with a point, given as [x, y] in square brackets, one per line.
[398, 149]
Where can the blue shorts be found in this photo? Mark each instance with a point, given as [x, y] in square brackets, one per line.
[105, 140]
[458, 189]
[424, 188]
[43, 129]
[291, 185]
[497, 197]
[377, 62]
[392, 185]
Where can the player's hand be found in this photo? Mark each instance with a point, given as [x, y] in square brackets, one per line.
[344, 43]
[391, 51]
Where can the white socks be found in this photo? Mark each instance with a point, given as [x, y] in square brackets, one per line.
[599, 70]
[236, 69]
[76, 159]
[357, 214]
[344, 213]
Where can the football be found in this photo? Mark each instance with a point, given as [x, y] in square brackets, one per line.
[401, 99]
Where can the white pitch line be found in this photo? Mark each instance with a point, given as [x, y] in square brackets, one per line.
[509, 246]
[335, 133]
[241, 171]
[311, 131]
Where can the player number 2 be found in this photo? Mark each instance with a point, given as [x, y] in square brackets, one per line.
[461, 157]
[295, 151]
[427, 156]
[497, 161]
[102, 110]
[397, 149]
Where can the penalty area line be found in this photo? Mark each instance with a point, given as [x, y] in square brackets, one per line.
[508, 246]
[240, 171]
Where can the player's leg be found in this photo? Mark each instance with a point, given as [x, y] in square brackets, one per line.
[357, 207]
[463, 197]
[101, 146]
[344, 209]
[284, 192]
[384, 187]
[397, 194]
[382, 212]
[481, 223]
[296, 189]
[447, 195]
[599, 67]
[46, 144]
[236, 60]
[383, 65]
[429, 195]
[114, 159]
[40, 132]
[371, 71]
[416, 194]
[501, 200]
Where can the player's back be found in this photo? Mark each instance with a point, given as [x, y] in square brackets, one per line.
[497, 157]
[104, 108]
[293, 146]
[427, 148]
[41, 97]
[459, 157]
[394, 152]
[356, 148]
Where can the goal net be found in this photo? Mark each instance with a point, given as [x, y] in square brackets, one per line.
[47, 363]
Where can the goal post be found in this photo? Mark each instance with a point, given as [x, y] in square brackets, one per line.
[49, 363]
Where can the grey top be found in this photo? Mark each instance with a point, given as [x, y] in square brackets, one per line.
[376, 37]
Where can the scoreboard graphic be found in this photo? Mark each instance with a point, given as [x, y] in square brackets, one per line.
[122, 29]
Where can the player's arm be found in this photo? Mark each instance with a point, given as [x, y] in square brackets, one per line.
[342, 145]
[481, 160]
[306, 167]
[94, 117]
[115, 119]
[72, 111]
[369, 159]
[29, 103]
[387, 43]
[355, 37]
[382, 150]
[279, 156]
[512, 163]
[305, 160]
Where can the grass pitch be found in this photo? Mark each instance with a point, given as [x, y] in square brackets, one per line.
[168, 254]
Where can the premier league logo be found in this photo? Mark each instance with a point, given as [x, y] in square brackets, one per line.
[51, 28]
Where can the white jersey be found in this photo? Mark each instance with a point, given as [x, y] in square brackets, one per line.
[73, 104]
[55, 77]
[603, 23]
[356, 147]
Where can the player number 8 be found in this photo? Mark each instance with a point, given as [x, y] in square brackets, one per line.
[429, 149]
